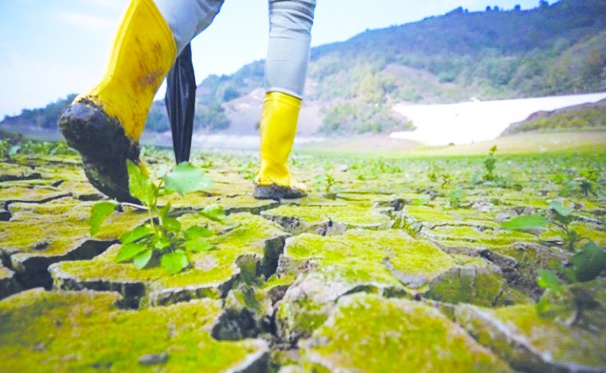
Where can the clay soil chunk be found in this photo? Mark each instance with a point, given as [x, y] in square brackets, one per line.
[84, 331]
[368, 333]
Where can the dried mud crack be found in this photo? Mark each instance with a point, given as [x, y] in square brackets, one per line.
[393, 274]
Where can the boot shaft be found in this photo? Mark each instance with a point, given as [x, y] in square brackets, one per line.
[278, 128]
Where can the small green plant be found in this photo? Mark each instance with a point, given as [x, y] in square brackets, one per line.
[326, 183]
[587, 262]
[562, 217]
[4, 147]
[60, 148]
[588, 180]
[248, 169]
[490, 165]
[558, 215]
[548, 281]
[476, 178]
[162, 238]
[526, 222]
[31, 147]
[446, 180]
[433, 171]
[455, 198]
[13, 151]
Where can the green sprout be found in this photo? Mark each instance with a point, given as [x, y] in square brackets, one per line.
[162, 238]
[490, 165]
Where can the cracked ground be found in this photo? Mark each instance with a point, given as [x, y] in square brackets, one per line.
[387, 265]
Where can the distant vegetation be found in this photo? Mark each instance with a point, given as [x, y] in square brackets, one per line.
[45, 117]
[495, 54]
[362, 117]
[580, 117]
[207, 116]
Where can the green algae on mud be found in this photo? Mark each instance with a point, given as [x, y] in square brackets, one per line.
[327, 217]
[26, 193]
[458, 254]
[594, 232]
[530, 342]
[212, 274]
[64, 331]
[453, 217]
[480, 285]
[57, 231]
[486, 237]
[390, 263]
[54, 228]
[372, 334]
[230, 203]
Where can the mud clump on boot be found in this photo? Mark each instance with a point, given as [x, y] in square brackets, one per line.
[277, 192]
[103, 145]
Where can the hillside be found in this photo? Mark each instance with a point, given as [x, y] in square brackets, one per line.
[352, 85]
[586, 117]
[495, 54]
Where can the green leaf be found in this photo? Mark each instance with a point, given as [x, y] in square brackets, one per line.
[186, 178]
[214, 212]
[456, 194]
[129, 251]
[526, 222]
[140, 185]
[164, 211]
[543, 307]
[197, 245]
[420, 202]
[174, 262]
[171, 224]
[98, 214]
[196, 232]
[548, 280]
[561, 210]
[13, 151]
[161, 242]
[476, 179]
[137, 234]
[143, 258]
[589, 262]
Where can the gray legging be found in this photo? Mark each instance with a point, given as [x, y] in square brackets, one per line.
[290, 23]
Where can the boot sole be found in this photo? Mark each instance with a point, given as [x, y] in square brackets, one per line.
[277, 192]
[103, 145]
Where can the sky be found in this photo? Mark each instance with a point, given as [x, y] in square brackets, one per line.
[51, 48]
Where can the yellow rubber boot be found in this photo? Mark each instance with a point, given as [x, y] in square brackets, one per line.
[143, 53]
[278, 128]
[105, 124]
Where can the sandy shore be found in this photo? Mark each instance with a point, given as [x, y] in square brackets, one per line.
[470, 122]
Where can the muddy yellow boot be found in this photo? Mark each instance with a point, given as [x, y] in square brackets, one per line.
[105, 124]
[278, 129]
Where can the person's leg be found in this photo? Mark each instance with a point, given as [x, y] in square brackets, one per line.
[105, 124]
[285, 73]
